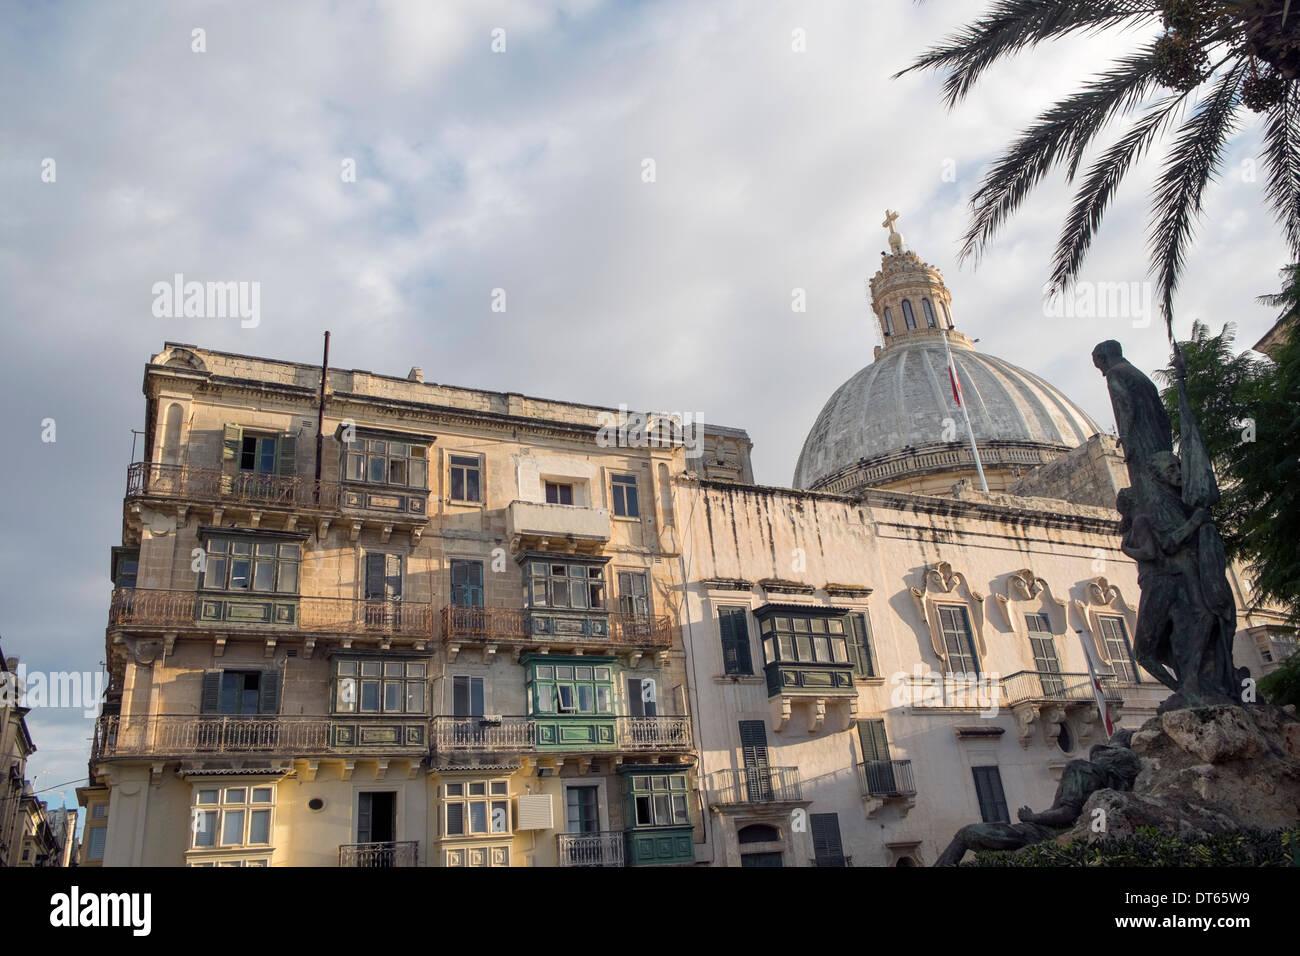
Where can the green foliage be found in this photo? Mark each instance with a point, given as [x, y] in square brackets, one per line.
[1150, 846]
[1282, 687]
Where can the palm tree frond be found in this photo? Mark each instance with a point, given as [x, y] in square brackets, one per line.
[1282, 156]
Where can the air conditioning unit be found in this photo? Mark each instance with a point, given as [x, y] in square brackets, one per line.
[534, 811]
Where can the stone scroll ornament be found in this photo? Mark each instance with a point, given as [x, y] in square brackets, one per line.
[1187, 617]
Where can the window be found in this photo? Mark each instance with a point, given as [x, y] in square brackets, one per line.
[625, 500]
[369, 686]
[476, 807]
[466, 478]
[1115, 636]
[551, 584]
[758, 772]
[571, 689]
[240, 692]
[376, 816]
[376, 461]
[466, 583]
[889, 321]
[95, 846]
[804, 638]
[864, 663]
[827, 848]
[99, 811]
[582, 814]
[733, 623]
[877, 765]
[245, 564]
[642, 697]
[947, 316]
[909, 317]
[559, 494]
[467, 696]
[126, 566]
[232, 817]
[1046, 661]
[958, 642]
[660, 800]
[632, 597]
[257, 453]
[930, 312]
[988, 788]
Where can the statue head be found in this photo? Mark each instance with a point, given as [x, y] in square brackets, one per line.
[1106, 354]
[1166, 467]
[1117, 760]
[1124, 505]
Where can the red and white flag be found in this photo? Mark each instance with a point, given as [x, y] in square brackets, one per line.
[956, 382]
[1094, 665]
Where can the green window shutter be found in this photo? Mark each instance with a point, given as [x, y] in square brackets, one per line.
[825, 830]
[875, 743]
[393, 577]
[232, 440]
[286, 449]
[269, 698]
[735, 641]
[210, 701]
[753, 743]
[988, 790]
[860, 646]
[375, 565]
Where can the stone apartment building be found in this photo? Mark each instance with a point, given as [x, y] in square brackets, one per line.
[474, 629]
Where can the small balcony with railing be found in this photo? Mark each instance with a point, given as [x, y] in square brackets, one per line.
[400, 853]
[535, 526]
[521, 629]
[755, 787]
[603, 848]
[218, 487]
[1047, 698]
[484, 734]
[171, 610]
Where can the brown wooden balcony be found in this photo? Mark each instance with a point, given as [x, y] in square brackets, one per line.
[516, 627]
[400, 853]
[146, 479]
[254, 610]
[196, 735]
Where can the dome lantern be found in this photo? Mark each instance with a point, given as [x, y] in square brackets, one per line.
[909, 297]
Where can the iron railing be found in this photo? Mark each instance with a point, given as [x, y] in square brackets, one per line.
[157, 607]
[451, 734]
[654, 733]
[499, 625]
[887, 778]
[832, 859]
[1034, 685]
[604, 848]
[181, 735]
[401, 853]
[756, 785]
[151, 479]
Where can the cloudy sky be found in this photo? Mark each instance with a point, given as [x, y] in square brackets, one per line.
[519, 170]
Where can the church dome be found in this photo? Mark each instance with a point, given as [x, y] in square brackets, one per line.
[896, 423]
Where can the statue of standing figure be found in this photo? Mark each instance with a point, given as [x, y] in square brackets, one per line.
[1187, 617]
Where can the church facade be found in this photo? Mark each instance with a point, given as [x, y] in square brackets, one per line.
[374, 621]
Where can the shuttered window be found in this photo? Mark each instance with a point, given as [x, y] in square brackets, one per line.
[466, 583]
[240, 692]
[1043, 643]
[827, 848]
[642, 697]
[958, 642]
[988, 789]
[860, 650]
[753, 749]
[1115, 636]
[733, 623]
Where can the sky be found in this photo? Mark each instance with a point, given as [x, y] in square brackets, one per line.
[778, 139]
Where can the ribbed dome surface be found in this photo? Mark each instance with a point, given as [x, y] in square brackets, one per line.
[901, 400]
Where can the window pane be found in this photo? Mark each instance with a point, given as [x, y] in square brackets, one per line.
[604, 700]
[370, 696]
[264, 576]
[586, 699]
[545, 699]
[397, 471]
[500, 816]
[378, 469]
[232, 828]
[370, 668]
[500, 788]
[288, 578]
[478, 817]
[393, 694]
[418, 474]
[205, 796]
[239, 571]
[261, 794]
[205, 828]
[455, 819]
[259, 827]
[414, 697]
[354, 471]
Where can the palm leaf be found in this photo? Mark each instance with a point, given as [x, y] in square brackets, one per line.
[1282, 156]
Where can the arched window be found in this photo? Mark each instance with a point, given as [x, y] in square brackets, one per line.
[889, 321]
[947, 316]
[909, 317]
[929, 312]
[171, 453]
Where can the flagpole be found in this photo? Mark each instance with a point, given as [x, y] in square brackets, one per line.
[1089, 654]
[961, 402]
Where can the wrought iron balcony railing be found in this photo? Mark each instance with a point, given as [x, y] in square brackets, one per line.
[452, 734]
[832, 859]
[654, 733]
[156, 607]
[1035, 686]
[186, 483]
[402, 853]
[604, 848]
[496, 625]
[184, 735]
[887, 778]
[755, 785]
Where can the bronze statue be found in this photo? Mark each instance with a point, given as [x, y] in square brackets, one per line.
[1111, 766]
[1187, 617]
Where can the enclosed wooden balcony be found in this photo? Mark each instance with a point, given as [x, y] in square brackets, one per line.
[183, 483]
[146, 608]
[514, 628]
[191, 735]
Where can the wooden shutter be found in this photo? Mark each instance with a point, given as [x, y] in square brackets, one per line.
[210, 702]
[875, 743]
[460, 696]
[269, 697]
[392, 577]
[825, 828]
[286, 448]
[988, 790]
[375, 564]
[635, 705]
[232, 442]
[753, 743]
[364, 815]
[735, 641]
[860, 646]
